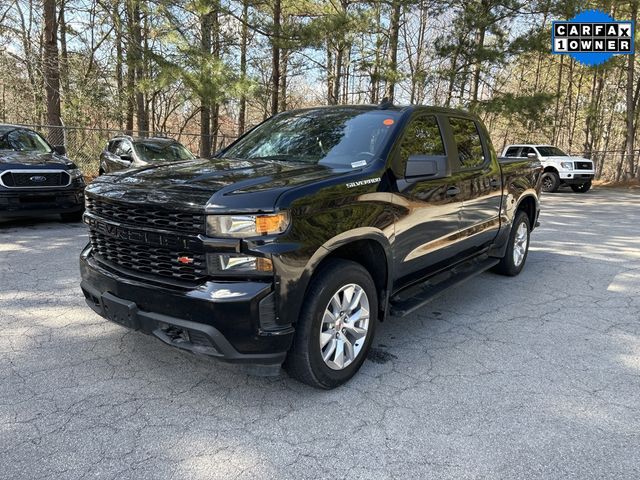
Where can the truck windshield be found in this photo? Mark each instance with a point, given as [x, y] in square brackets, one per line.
[23, 141]
[155, 151]
[551, 152]
[337, 138]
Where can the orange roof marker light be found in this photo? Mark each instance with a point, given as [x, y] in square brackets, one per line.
[388, 121]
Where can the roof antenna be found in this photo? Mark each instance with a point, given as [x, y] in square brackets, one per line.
[385, 103]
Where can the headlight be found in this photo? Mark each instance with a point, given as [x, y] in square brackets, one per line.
[567, 165]
[240, 226]
[75, 173]
[221, 264]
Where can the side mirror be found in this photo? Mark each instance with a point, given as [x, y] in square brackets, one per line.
[428, 167]
[532, 155]
[60, 149]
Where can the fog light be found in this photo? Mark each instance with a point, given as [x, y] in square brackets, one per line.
[235, 263]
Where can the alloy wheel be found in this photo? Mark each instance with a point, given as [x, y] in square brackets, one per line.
[344, 326]
[520, 243]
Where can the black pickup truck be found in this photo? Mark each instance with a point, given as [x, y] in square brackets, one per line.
[291, 244]
[37, 178]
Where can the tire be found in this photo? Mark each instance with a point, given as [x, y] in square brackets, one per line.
[550, 182]
[72, 217]
[582, 188]
[305, 361]
[511, 265]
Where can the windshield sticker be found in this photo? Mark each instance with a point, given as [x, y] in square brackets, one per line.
[363, 182]
[360, 163]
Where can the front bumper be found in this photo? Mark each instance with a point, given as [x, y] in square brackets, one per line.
[576, 177]
[18, 203]
[231, 321]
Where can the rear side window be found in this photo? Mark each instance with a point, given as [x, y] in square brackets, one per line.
[467, 138]
[422, 137]
[526, 151]
[113, 146]
[512, 152]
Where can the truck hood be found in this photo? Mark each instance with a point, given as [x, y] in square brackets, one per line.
[216, 185]
[565, 159]
[13, 159]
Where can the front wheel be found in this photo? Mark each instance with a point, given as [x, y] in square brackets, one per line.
[550, 182]
[517, 249]
[336, 327]
[582, 188]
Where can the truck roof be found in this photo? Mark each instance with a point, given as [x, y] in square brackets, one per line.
[529, 145]
[383, 107]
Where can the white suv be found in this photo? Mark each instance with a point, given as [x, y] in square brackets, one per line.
[559, 168]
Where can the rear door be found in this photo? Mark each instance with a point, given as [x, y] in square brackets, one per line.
[479, 178]
[427, 210]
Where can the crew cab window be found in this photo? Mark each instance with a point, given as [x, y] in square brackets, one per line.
[512, 152]
[422, 137]
[526, 151]
[467, 138]
[123, 149]
[113, 146]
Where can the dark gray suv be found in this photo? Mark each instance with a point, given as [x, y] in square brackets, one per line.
[124, 152]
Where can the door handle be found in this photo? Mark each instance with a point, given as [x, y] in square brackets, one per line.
[453, 191]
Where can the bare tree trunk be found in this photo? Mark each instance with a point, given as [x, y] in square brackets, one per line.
[475, 85]
[394, 32]
[284, 64]
[337, 77]
[205, 101]
[275, 57]
[131, 64]
[117, 22]
[329, 73]
[64, 56]
[630, 101]
[243, 66]
[556, 120]
[51, 71]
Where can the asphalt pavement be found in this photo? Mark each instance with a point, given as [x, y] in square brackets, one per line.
[536, 376]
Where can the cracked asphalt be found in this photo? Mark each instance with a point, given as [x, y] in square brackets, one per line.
[536, 376]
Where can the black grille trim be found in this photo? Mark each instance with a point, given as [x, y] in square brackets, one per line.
[25, 179]
[146, 259]
[148, 217]
[583, 165]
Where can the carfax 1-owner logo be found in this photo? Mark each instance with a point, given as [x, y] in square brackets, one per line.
[592, 37]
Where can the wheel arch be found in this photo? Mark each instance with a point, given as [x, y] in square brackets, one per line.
[367, 246]
[528, 204]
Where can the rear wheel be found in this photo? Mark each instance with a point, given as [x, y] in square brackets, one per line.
[336, 327]
[582, 188]
[517, 249]
[550, 182]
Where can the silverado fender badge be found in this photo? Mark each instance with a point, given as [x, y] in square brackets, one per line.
[363, 182]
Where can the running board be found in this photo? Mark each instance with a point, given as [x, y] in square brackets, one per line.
[411, 299]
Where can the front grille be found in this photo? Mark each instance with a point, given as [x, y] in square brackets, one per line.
[35, 179]
[144, 216]
[583, 165]
[151, 260]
